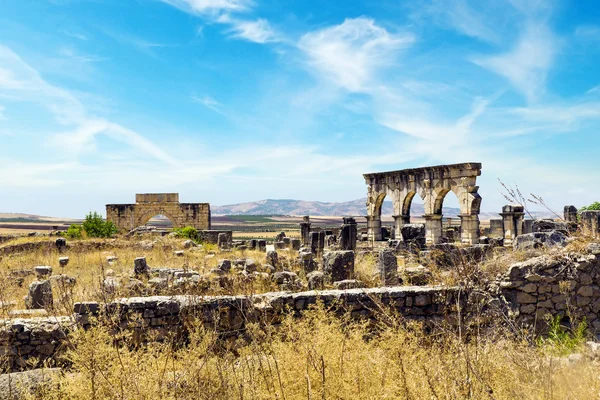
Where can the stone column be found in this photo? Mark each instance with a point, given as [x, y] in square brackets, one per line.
[348, 234]
[374, 227]
[512, 216]
[469, 225]
[399, 221]
[305, 230]
[570, 214]
[433, 228]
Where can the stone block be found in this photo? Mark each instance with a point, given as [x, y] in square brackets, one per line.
[296, 244]
[538, 240]
[388, 267]
[140, 267]
[43, 271]
[39, 296]
[316, 280]
[339, 265]
[272, 258]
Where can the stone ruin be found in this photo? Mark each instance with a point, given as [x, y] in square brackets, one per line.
[130, 216]
[524, 294]
[432, 184]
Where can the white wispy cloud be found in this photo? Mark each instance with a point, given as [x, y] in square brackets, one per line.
[141, 44]
[210, 6]
[19, 77]
[221, 11]
[526, 66]
[76, 35]
[258, 31]
[351, 53]
[2, 116]
[461, 15]
[208, 102]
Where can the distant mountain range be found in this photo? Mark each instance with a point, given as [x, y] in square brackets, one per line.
[347, 208]
[314, 208]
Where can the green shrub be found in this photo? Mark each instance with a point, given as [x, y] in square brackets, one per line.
[189, 232]
[74, 232]
[594, 206]
[95, 226]
[562, 340]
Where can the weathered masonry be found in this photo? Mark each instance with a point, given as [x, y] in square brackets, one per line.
[129, 216]
[432, 184]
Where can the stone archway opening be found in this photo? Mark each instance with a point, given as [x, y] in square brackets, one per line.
[448, 206]
[160, 221]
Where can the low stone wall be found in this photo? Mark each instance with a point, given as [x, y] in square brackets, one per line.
[153, 318]
[33, 342]
[567, 286]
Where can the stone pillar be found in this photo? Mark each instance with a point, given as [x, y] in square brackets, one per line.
[374, 227]
[469, 225]
[388, 267]
[317, 242]
[305, 230]
[590, 223]
[400, 220]
[348, 233]
[570, 214]
[512, 216]
[433, 228]
[140, 267]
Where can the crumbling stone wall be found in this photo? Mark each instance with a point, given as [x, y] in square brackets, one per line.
[153, 318]
[33, 342]
[567, 286]
[590, 223]
[130, 216]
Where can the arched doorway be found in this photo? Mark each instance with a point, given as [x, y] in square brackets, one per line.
[160, 221]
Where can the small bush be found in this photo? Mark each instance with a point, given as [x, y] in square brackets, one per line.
[189, 232]
[74, 232]
[561, 340]
[595, 206]
[95, 226]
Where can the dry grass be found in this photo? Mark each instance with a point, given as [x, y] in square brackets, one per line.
[323, 357]
[89, 266]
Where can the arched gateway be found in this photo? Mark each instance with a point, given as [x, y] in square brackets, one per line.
[431, 184]
[129, 216]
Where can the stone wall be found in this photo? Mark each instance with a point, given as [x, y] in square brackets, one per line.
[152, 318]
[590, 223]
[33, 342]
[553, 285]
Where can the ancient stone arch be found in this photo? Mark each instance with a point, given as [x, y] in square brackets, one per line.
[129, 216]
[432, 184]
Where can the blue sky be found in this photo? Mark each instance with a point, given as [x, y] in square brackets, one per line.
[228, 101]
